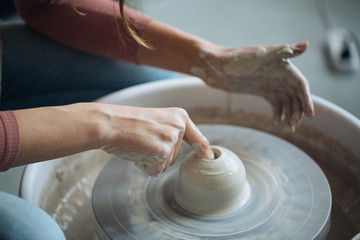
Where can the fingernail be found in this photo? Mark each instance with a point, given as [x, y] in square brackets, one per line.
[211, 155]
[299, 47]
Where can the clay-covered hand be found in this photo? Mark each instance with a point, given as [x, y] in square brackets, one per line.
[265, 71]
[152, 137]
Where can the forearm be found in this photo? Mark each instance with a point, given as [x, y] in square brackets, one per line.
[173, 49]
[53, 132]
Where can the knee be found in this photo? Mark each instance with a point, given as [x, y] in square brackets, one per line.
[20, 219]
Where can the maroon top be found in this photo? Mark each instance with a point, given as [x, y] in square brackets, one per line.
[9, 140]
[95, 31]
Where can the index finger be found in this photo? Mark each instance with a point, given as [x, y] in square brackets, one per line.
[197, 140]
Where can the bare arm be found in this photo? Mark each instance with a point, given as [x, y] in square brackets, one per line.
[52, 132]
[151, 137]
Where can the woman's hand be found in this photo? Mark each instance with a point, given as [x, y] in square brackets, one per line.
[265, 71]
[151, 137]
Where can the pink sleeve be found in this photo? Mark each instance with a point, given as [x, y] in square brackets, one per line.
[95, 32]
[9, 140]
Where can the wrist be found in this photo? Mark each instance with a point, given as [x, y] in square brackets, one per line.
[173, 50]
[93, 120]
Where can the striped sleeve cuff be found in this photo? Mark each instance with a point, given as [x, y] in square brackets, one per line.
[9, 139]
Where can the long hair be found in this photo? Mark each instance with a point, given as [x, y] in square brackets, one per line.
[128, 28]
[125, 22]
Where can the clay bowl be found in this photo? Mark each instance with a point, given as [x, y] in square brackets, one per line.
[212, 187]
[331, 138]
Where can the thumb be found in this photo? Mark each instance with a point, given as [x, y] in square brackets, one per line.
[198, 142]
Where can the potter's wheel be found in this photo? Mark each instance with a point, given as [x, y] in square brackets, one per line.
[290, 196]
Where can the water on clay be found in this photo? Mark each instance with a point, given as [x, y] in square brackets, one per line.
[289, 197]
[67, 196]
